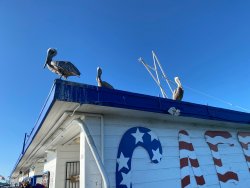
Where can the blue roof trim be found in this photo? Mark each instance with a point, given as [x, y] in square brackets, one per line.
[86, 94]
[43, 114]
[41, 118]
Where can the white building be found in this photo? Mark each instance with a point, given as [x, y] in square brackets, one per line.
[91, 137]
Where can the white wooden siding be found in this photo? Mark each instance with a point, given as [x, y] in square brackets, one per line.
[67, 153]
[50, 166]
[146, 174]
[93, 177]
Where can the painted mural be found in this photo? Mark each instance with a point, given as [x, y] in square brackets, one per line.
[133, 138]
[244, 139]
[187, 155]
[147, 139]
[213, 139]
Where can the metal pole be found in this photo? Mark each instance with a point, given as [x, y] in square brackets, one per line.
[164, 75]
[146, 66]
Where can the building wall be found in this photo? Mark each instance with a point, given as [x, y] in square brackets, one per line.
[38, 169]
[67, 153]
[56, 163]
[145, 174]
[92, 175]
[14, 182]
[50, 165]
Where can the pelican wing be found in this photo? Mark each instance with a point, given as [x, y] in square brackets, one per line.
[178, 94]
[107, 85]
[66, 66]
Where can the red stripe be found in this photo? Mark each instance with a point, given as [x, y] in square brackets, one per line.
[213, 134]
[213, 147]
[184, 162]
[194, 162]
[245, 146]
[183, 132]
[217, 162]
[228, 176]
[244, 134]
[247, 158]
[200, 180]
[185, 181]
[185, 145]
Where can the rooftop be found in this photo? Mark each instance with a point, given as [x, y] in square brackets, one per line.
[96, 99]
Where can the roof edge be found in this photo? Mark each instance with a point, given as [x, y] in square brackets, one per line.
[51, 98]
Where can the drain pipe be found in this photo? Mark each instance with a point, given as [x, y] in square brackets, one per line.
[94, 151]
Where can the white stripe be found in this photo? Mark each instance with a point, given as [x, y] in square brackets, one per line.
[194, 171]
[218, 139]
[215, 154]
[184, 172]
[202, 186]
[248, 164]
[222, 170]
[244, 140]
[184, 153]
[187, 153]
[234, 183]
[246, 152]
[197, 171]
[188, 186]
[184, 138]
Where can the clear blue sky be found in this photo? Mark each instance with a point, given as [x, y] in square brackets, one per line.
[206, 43]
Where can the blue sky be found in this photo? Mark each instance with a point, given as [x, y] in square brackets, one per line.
[205, 43]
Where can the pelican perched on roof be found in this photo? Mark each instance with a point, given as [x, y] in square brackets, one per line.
[99, 80]
[178, 92]
[62, 68]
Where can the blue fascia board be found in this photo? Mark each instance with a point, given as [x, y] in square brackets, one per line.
[42, 116]
[86, 94]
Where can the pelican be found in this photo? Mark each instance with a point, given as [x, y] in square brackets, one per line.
[178, 92]
[62, 68]
[99, 80]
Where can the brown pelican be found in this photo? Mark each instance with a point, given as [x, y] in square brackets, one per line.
[62, 68]
[178, 92]
[99, 80]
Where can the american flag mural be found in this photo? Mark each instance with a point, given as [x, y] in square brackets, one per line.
[213, 139]
[244, 139]
[132, 138]
[187, 154]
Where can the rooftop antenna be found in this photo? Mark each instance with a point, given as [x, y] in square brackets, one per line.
[155, 76]
[177, 93]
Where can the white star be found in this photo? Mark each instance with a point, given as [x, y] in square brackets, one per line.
[126, 179]
[138, 136]
[153, 136]
[157, 156]
[122, 162]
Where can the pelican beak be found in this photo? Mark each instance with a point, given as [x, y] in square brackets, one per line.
[45, 64]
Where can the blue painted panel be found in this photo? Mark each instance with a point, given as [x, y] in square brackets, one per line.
[133, 138]
[48, 104]
[86, 94]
